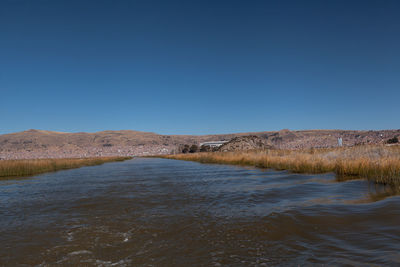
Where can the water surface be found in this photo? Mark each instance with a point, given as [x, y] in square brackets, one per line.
[159, 212]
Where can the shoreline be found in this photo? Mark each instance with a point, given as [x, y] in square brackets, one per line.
[10, 169]
[380, 164]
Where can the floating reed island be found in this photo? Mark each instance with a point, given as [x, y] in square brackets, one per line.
[379, 163]
[12, 168]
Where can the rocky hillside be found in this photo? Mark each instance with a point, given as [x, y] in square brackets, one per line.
[48, 144]
[243, 143]
[286, 139]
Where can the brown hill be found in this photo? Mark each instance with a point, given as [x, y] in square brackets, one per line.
[48, 144]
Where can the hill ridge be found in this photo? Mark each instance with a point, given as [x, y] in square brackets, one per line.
[35, 143]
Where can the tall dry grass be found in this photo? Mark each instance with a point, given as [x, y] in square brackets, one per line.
[10, 168]
[379, 163]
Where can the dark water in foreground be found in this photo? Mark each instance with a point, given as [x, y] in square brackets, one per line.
[158, 212]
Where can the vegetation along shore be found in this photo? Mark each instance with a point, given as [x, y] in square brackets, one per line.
[379, 163]
[12, 168]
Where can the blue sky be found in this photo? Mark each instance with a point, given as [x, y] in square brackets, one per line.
[199, 67]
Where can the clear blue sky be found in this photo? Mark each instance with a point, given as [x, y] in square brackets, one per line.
[198, 67]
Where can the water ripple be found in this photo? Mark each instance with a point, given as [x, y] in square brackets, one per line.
[157, 212]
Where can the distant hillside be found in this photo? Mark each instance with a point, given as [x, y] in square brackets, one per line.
[45, 144]
[243, 143]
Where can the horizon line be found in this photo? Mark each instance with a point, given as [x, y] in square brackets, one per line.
[249, 132]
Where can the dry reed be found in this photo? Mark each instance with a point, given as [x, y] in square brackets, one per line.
[378, 163]
[10, 168]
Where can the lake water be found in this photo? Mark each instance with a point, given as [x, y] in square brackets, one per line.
[159, 212]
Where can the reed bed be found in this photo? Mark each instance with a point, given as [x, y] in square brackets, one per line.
[378, 163]
[12, 168]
